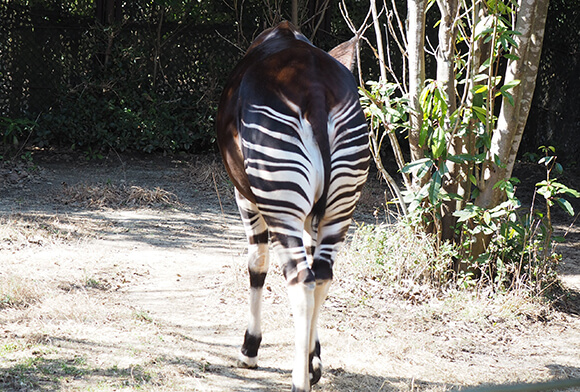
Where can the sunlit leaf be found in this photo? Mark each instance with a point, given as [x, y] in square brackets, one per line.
[465, 214]
[414, 166]
[480, 89]
[435, 187]
[438, 146]
[566, 206]
[486, 217]
[511, 84]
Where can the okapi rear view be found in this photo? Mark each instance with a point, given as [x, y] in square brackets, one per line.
[294, 141]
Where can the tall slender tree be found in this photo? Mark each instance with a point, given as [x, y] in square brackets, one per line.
[461, 151]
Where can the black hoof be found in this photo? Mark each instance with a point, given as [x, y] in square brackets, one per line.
[315, 375]
[315, 368]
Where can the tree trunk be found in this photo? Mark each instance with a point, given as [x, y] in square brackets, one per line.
[505, 142]
[295, 13]
[416, 54]
[456, 179]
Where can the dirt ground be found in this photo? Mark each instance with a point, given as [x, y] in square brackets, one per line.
[128, 273]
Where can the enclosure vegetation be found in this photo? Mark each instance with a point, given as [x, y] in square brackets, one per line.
[447, 84]
[464, 126]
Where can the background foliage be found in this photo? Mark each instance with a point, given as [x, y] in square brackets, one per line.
[146, 76]
[142, 76]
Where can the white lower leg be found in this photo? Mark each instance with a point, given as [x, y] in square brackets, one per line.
[302, 301]
[320, 294]
[248, 356]
[258, 266]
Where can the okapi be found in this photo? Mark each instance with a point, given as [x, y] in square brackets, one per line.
[294, 142]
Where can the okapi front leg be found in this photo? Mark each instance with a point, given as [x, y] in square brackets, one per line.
[253, 337]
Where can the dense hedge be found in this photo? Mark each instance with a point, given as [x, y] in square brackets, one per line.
[150, 79]
[147, 82]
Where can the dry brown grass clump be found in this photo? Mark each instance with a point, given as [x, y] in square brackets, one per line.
[395, 259]
[17, 292]
[208, 173]
[118, 196]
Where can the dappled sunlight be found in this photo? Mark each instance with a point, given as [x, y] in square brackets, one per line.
[154, 298]
[175, 228]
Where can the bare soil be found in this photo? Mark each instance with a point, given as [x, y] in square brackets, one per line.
[128, 273]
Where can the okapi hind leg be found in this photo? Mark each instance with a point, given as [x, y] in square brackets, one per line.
[258, 263]
[315, 363]
[320, 293]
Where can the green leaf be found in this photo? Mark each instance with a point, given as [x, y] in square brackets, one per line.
[480, 89]
[461, 158]
[511, 84]
[511, 40]
[438, 146]
[484, 26]
[508, 96]
[472, 179]
[510, 56]
[486, 217]
[466, 214]
[479, 78]
[564, 190]
[413, 167]
[435, 188]
[503, 42]
[484, 66]
[424, 169]
[424, 133]
[566, 206]
[481, 113]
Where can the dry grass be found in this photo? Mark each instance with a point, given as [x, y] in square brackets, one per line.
[18, 292]
[395, 263]
[19, 231]
[208, 173]
[395, 260]
[117, 196]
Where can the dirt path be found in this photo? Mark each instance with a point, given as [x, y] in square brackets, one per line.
[154, 298]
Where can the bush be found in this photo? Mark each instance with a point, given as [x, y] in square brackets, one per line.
[398, 255]
[95, 119]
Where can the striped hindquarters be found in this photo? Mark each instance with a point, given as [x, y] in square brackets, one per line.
[299, 186]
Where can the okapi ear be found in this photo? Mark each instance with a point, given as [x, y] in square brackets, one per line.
[345, 52]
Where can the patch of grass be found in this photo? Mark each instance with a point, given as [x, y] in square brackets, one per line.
[97, 284]
[19, 231]
[10, 347]
[397, 262]
[116, 196]
[475, 307]
[38, 373]
[142, 316]
[17, 292]
[399, 259]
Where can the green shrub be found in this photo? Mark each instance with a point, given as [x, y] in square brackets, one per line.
[521, 253]
[96, 119]
[15, 133]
